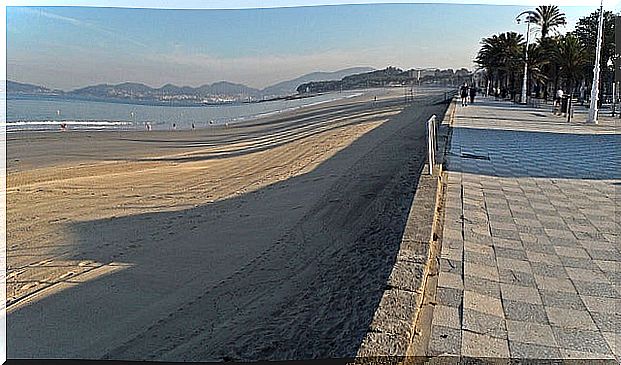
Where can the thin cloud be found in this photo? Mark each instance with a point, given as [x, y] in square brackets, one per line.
[82, 24]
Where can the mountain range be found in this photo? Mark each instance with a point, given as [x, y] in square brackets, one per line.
[219, 92]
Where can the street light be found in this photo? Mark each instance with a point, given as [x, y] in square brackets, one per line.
[531, 17]
[592, 118]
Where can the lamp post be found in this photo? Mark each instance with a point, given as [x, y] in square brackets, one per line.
[598, 51]
[531, 16]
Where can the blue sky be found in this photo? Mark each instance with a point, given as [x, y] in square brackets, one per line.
[68, 47]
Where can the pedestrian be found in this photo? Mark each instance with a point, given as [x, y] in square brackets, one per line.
[473, 93]
[558, 100]
[174, 126]
[464, 94]
[192, 125]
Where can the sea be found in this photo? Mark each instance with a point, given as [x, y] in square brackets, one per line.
[41, 114]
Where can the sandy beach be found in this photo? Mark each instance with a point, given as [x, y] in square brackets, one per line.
[267, 240]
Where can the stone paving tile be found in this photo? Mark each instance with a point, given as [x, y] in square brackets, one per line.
[588, 244]
[556, 284]
[482, 286]
[478, 345]
[596, 289]
[481, 271]
[563, 242]
[569, 318]
[451, 266]
[452, 254]
[560, 233]
[605, 255]
[553, 271]
[561, 299]
[508, 276]
[532, 333]
[608, 322]
[515, 254]
[576, 252]
[522, 350]
[614, 342]
[608, 266]
[449, 280]
[580, 355]
[483, 323]
[450, 297]
[444, 340]
[603, 305]
[501, 242]
[550, 259]
[539, 248]
[533, 238]
[522, 311]
[483, 303]
[520, 293]
[521, 265]
[582, 263]
[474, 257]
[586, 275]
[581, 340]
[482, 249]
[446, 316]
[530, 230]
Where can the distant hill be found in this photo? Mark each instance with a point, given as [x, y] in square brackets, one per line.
[289, 87]
[22, 88]
[227, 92]
[135, 91]
[390, 76]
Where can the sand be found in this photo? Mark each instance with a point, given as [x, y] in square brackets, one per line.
[272, 239]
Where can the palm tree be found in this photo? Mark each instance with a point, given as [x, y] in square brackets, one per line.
[538, 63]
[501, 57]
[570, 55]
[548, 17]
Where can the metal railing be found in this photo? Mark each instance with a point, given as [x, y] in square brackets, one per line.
[449, 95]
[432, 143]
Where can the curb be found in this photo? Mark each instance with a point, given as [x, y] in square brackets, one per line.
[394, 330]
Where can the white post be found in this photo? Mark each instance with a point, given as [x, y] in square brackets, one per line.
[595, 87]
[614, 97]
[431, 143]
[525, 79]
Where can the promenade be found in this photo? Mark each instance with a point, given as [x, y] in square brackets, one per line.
[531, 262]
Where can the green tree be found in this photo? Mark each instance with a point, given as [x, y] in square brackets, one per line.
[586, 31]
[549, 17]
[502, 58]
[570, 55]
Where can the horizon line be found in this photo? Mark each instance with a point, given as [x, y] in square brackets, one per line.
[230, 82]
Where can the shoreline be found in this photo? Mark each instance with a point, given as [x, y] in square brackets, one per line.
[99, 124]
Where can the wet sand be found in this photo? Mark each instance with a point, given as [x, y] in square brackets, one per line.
[271, 239]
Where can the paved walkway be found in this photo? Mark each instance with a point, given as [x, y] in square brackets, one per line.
[531, 256]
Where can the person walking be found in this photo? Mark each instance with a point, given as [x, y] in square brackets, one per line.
[558, 100]
[473, 93]
[464, 94]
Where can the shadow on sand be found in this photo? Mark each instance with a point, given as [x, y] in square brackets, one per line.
[294, 270]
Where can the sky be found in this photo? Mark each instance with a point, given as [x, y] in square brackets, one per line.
[71, 47]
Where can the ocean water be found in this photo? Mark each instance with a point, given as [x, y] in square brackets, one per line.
[46, 114]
